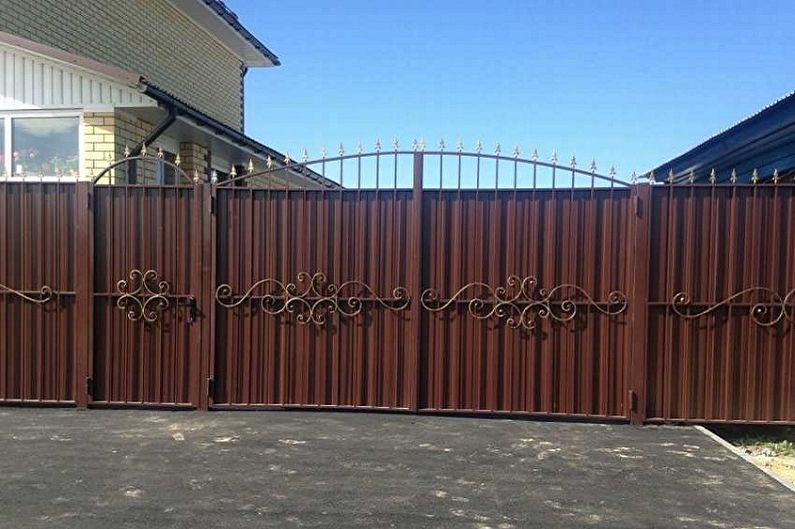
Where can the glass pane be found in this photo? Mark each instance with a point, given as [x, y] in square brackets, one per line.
[45, 146]
[2, 147]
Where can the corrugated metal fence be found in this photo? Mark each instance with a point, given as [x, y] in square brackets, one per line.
[641, 302]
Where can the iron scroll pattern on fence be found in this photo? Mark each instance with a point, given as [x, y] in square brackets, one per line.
[312, 298]
[765, 314]
[43, 295]
[522, 302]
[144, 296]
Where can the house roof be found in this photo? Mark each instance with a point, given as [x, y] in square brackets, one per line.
[764, 141]
[223, 24]
[203, 120]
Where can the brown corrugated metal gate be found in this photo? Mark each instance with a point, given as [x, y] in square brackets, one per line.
[599, 300]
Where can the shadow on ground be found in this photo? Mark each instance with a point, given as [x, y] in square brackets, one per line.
[139, 469]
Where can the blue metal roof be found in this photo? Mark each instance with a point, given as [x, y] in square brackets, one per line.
[764, 141]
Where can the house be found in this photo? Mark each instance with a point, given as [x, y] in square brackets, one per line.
[83, 83]
[763, 142]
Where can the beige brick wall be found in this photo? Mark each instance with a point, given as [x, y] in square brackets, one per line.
[150, 37]
[194, 159]
[99, 142]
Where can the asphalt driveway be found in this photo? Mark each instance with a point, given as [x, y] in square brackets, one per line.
[141, 469]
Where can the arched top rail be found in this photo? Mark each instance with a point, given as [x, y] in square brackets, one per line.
[452, 169]
[143, 168]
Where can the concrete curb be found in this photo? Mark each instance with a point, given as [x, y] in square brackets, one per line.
[726, 444]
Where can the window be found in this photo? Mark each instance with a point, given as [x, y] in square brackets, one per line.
[45, 146]
[165, 173]
[3, 173]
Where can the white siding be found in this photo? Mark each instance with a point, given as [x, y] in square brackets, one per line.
[28, 82]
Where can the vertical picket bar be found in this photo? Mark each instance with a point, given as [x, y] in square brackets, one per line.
[639, 302]
[415, 266]
[84, 292]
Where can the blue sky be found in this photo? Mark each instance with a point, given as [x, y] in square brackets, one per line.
[627, 83]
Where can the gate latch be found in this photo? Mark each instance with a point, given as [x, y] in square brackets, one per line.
[193, 309]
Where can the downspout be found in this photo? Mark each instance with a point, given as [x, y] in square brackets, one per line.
[155, 133]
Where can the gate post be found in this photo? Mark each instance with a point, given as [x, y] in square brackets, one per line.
[415, 273]
[84, 292]
[203, 274]
[639, 301]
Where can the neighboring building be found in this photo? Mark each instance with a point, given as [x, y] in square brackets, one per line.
[764, 142]
[82, 81]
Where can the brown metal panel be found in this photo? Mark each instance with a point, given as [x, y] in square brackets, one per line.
[291, 358]
[37, 293]
[498, 368]
[722, 351]
[145, 260]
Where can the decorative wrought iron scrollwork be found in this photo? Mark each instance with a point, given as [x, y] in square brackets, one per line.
[521, 302]
[764, 314]
[45, 294]
[143, 296]
[312, 298]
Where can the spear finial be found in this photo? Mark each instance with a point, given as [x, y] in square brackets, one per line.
[516, 151]
[159, 151]
[395, 144]
[534, 156]
[775, 176]
[498, 149]
[305, 156]
[250, 165]
[651, 177]
[612, 172]
[441, 145]
[126, 151]
[733, 177]
[633, 178]
[378, 145]
[269, 162]
[323, 152]
[459, 146]
[177, 160]
[554, 158]
[233, 171]
[691, 177]
[573, 161]
[755, 177]
[478, 146]
[415, 145]
[143, 149]
[287, 158]
[593, 166]
[713, 176]
[671, 177]
[359, 148]
[214, 177]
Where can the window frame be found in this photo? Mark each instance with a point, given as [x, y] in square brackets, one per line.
[7, 117]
